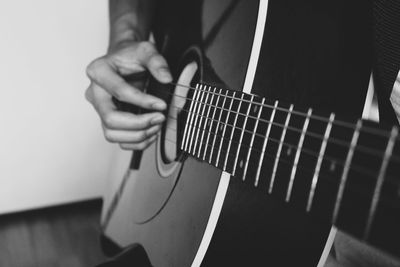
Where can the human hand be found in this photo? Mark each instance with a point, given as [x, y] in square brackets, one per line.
[131, 131]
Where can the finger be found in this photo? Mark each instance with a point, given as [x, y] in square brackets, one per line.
[98, 97]
[89, 93]
[102, 73]
[148, 56]
[138, 146]
[159, 69]
[118, 120]
[119, 136]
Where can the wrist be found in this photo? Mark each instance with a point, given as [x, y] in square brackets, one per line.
[123, 40]
[123, 30]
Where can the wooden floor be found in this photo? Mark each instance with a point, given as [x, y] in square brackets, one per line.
[66, 236]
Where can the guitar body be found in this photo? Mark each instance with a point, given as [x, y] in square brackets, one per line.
[183, 211]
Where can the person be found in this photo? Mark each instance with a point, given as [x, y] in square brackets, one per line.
[130, 52]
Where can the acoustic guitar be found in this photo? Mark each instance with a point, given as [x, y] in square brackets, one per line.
[262, 150]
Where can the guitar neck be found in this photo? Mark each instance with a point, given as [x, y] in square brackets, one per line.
[343, 172]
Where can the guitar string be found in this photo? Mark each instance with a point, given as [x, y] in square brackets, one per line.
[349, 125]
[359, 148]
[354, 167]
[316, 135]
[390, 180]
[322, 175]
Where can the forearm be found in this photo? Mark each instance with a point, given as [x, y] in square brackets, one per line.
[130, 20]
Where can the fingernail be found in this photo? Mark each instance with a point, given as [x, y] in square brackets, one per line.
[159, 106]
[158, 119]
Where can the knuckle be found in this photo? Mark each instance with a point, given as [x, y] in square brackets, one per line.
[92, 68]
[149, 132]
[89, 94]
[108, 120]
[139, 122]
[109, 136]
[147, 122]
[140, 136]
[146, 48]
[90, 71]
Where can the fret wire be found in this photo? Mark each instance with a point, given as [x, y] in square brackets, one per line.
[251, 143]
[241, 136]
[360, 148]
[197, 103]
[346, 169]
[392, 181]
[357, 168]
[265, 143]
[197, 115]
[217, 127]
[223, 132]
[297, 156]
[319, 162]
[379, 182]
[271, 184]
[317, 117]
[354, 167]
[192, 120]
[272, 157]
[269, 155]
[324, 177]
[232, 132]
[189, 118]
[186, 129]
[211, 124]
[206, 122]
[201, 120]
[192, 125]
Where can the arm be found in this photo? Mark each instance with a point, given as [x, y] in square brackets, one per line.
[130, 20]
[128, 53]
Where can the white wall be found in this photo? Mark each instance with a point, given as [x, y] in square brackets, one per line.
[51, 147]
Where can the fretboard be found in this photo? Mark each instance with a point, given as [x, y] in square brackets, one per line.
[347, 173]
